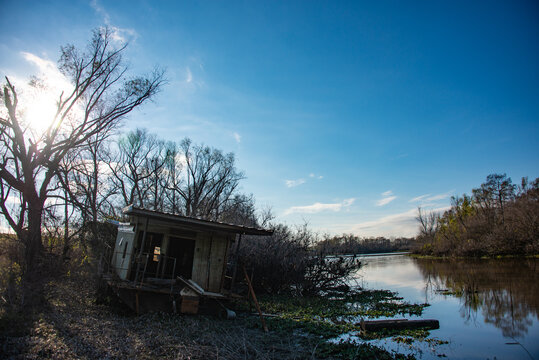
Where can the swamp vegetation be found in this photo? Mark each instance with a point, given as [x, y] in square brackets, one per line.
[76, 319]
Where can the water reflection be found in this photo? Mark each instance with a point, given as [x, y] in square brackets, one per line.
[506, 291]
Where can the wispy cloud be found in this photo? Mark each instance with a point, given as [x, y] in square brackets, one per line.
[48, 71]
[401, 224]
[429, 197]
[439, 196]
[120, 35]
[319, 207]
[387, 197]
[385, 200]
[188, 75]
[294, 183]
[297, 182]
[237, 137]
[419, 198]
[189, 79]
[101, 11]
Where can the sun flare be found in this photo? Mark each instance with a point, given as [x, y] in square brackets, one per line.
[40, 114]
[42, 96]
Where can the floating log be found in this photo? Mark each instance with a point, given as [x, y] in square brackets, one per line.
[397, 324]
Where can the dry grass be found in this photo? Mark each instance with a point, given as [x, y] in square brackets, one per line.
[56, 315]
[70, 325]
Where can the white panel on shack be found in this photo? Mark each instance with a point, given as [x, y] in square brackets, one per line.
[123, 250]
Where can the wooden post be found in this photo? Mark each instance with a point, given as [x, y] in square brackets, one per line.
[207, 287]
[255, 300]
[144, 272]
[158, 263]
[236, 255]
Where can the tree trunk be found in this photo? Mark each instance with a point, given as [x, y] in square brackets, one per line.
[34, 245]
[67, 244]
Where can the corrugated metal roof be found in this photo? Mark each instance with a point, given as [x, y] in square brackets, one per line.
[195, 222]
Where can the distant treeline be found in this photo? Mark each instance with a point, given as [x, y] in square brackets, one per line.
[499, 218]
[353, 244]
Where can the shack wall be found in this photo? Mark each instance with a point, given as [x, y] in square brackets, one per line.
[209, 260]
[217, 263]
[200, 260]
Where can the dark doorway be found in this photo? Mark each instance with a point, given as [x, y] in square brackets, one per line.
[184, 251]
[152, 247]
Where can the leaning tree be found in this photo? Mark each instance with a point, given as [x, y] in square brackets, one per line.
[101, 95]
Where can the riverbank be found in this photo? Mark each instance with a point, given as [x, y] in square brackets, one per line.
[71, 324]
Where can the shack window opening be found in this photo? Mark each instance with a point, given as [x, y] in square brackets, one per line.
[156, 253]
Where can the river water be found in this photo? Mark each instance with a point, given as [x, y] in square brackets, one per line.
[488, 309]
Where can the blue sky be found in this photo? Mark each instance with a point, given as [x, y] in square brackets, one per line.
[347, 115]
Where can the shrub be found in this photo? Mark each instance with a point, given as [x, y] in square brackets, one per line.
[285, 262]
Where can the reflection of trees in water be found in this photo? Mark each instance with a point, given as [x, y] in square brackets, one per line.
[507, 291]
[500, 309]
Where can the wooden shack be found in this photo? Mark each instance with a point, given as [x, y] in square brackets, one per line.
[169, 262]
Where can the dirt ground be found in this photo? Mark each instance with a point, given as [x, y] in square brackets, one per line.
[71, 325]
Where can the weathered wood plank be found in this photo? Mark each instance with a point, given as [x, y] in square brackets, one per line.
[225, 261]
[200, 260]
[217, 256]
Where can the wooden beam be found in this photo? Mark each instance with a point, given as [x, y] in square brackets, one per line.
[255, 300]
[236, 256]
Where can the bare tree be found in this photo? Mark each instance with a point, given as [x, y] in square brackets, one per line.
[428, 222]
[101, 97]
[157, 183]
[132, 167]
[86, 186]
[187, 179]
[211, 180]
[501, 189]
[241, 210]
[173, 173]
